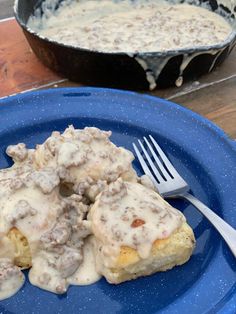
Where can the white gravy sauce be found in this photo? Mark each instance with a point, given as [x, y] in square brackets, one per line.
[85, 158]
[11, 279]
[130, 26]
[56, 226]
[129, 214]
[86, 274]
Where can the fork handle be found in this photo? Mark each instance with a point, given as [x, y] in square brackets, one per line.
[227, 232]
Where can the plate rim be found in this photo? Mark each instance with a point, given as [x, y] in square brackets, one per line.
[205, 121]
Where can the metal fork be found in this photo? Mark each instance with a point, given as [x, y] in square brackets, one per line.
[170, 184]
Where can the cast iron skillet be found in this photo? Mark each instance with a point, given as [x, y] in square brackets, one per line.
[121, 70]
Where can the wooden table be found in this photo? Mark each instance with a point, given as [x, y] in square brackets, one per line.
[213, 96]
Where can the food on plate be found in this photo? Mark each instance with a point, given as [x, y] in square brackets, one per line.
[54, 227]
[53, 200]
[12, 279]
[86, 159]
[22, 254]
[129, 26]
[137, 232]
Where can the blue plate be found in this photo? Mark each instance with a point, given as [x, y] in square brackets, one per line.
[201, 152]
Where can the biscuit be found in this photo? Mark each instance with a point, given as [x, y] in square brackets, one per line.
[165, 254]
[137, 233]
[22, 254]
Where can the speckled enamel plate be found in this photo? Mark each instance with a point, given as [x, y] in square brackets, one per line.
[201, 152]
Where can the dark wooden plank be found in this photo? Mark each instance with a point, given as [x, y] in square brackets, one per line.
[216, 102]
[19, 68]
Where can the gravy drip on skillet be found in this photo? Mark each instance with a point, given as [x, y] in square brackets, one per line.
[130, 26]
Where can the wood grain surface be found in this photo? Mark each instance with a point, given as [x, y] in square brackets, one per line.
[213, 95]
[20, 70]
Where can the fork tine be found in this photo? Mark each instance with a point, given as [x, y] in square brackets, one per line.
[165, 159]
[151, 164]
[157, 160]
[144, 165]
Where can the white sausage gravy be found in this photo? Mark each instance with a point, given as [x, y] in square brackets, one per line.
[48, 194]
[129, 214]
[129, 26]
